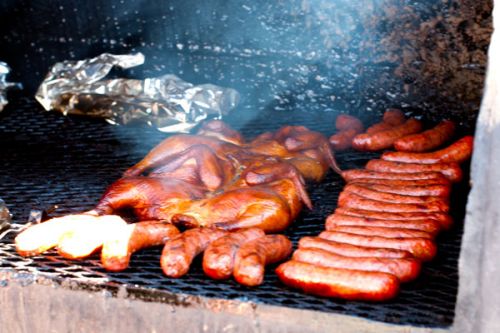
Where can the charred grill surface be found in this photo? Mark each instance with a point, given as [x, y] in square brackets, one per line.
[47, 159]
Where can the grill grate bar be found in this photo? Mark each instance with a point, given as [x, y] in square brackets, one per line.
[47, 159]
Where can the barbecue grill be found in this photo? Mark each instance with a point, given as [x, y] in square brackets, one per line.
[62, 164]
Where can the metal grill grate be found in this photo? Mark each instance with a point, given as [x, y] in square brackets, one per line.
[47, 159]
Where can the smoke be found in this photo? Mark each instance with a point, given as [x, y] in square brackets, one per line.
[317, 55]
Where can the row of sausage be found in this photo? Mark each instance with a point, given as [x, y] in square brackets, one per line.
[388, 214]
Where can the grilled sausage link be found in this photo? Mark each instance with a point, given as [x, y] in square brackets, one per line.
[457, 152]
[378, 127]
[438, 190]
[338, 282]
[421, 248]
[354, 174]
[348, 127]
[369, 193]
[397, 182]
[427, 140]
[179, 252]
[391, 118]
[383, 231]
[405, 270]
[117, 250]
[346, 122]
[385, 139]
[343, 140]
[218, 258]
[443, 219]
[253, 256]
[350, 250]
[451, 171]
[352, 200]
[334, 220]
[394, 117]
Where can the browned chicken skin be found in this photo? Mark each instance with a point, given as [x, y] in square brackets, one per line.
[222, 131]
[269, 207]
[309, 151]
[259, 191]
[298, 145]
[213, 179]
[150, 198]
[169, 149]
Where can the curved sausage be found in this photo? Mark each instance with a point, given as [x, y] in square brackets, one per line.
[444, 220]
[369, 193]
[343, 139]
[253, 256]
[179, 252]
[405, 269]
[378, 127]
[354, 174]
[394, 117]
[391, 118]
[421, 248]
[385, 139]
[350, 250]
[428, 225]
[352, 200]
[457, 152]
[438, 190]
[338, 282]
[348, 127]
[117, 250]
[218, 258]
[451, 171]
[427, 140]
[346, 122]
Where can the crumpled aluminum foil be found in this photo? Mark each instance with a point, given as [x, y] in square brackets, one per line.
[5, 217]
[4, 85]
[165, 102]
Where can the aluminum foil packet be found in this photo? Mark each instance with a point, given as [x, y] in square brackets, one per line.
[4, 85]
[165, 102]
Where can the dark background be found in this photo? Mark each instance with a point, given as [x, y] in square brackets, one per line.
[349, 56]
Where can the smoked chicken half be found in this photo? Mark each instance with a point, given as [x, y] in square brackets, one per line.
[213, 181]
